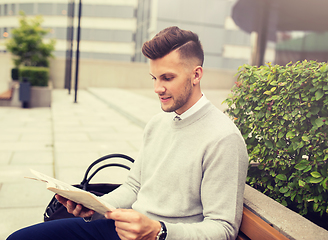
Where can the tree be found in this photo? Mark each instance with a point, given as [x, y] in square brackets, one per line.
[27, 43]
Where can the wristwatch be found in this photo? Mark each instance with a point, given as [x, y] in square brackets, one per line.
[162, 233]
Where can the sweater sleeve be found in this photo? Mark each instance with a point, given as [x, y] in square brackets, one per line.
[224, 173]
[125, 195]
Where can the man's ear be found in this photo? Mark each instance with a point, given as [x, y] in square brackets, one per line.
[197, 75]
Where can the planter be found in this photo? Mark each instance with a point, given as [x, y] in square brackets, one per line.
[40, 96]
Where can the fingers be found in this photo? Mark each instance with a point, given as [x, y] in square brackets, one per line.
[61, 199]
[87, 213]
[73, 208]
[76, 209]
[120, 214]
[133, 225]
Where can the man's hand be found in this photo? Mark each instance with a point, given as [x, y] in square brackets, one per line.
[133, 225]
[76, 209]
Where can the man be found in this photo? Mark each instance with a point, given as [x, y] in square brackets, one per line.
[189, 178]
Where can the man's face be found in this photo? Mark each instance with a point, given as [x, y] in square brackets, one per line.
[173, 82]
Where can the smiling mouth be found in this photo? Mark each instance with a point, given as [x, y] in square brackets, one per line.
[165, 99]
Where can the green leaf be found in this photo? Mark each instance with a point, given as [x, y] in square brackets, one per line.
[319, 122]
[281, 177]
[319, 94]
[281, 143]
[315, 207]
[315, 180]
[324, 68]
[301, 183]
[290, 135]
[302, 165]
[267, 93]
[308, 168]
[281, 134]
[305, 138]
[273, 89]
[315, 174]
[315, 110]
[325, 183]
[283, 189]
[268, 143]
[292, 196]
[275, 97]
[284, 203]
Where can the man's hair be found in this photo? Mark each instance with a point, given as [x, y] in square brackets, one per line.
[171, 38]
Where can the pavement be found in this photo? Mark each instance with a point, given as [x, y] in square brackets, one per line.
[63, 140]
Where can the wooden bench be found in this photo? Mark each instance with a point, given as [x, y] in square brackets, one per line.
[254, 228]
[7, 95]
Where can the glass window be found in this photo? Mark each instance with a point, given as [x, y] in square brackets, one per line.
[13, 9]
[107, 11]
[45, 9]
[61, 9]
[60, 33]
[5, 32]
[28, 8]
[5, 9]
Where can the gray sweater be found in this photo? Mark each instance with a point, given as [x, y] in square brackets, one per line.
[190, 174]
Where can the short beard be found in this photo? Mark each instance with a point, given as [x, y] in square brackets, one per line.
[181, 99]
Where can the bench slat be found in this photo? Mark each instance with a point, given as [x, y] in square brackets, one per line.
[256, 228]
[6, 95]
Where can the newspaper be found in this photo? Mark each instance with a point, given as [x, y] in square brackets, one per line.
[87, 199]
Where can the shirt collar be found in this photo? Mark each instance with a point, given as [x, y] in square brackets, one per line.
[198, 105]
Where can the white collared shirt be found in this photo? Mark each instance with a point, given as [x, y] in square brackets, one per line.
[198, 105]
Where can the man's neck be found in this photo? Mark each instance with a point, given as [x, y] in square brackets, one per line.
[194, 108]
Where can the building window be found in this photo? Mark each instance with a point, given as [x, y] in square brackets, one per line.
[27, 8]
[5, 9]
[5, 32]
[61, 9]
[13, 9]
[45, 9]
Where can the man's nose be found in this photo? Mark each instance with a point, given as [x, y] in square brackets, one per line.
[158, 87]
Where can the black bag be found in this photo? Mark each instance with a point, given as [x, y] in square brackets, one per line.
[55, 210]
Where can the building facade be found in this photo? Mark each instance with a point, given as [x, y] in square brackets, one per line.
[116, 29]
[225, 46]
[107, 26]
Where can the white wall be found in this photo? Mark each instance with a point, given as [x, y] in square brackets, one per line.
[103, 73]
[6, 64]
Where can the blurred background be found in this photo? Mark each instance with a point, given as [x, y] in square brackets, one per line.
[233, 32]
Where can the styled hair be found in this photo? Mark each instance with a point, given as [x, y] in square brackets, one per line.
[171, 38]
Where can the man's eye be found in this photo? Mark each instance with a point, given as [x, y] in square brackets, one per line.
[167, 78]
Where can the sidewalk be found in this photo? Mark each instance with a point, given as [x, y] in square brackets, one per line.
[63, 140]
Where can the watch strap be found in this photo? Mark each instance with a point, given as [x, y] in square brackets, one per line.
[162, 233]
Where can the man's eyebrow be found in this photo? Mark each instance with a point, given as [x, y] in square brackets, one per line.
[152, 75]
[162, 75]
[167, 74]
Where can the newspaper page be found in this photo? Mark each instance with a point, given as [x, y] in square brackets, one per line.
[74, 194]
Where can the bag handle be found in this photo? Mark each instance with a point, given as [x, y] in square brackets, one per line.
[87, 179]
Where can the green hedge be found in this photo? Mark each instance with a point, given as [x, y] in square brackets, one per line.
[282, 112]
[37, 76]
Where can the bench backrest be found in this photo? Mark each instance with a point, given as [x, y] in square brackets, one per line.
[254, 228]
